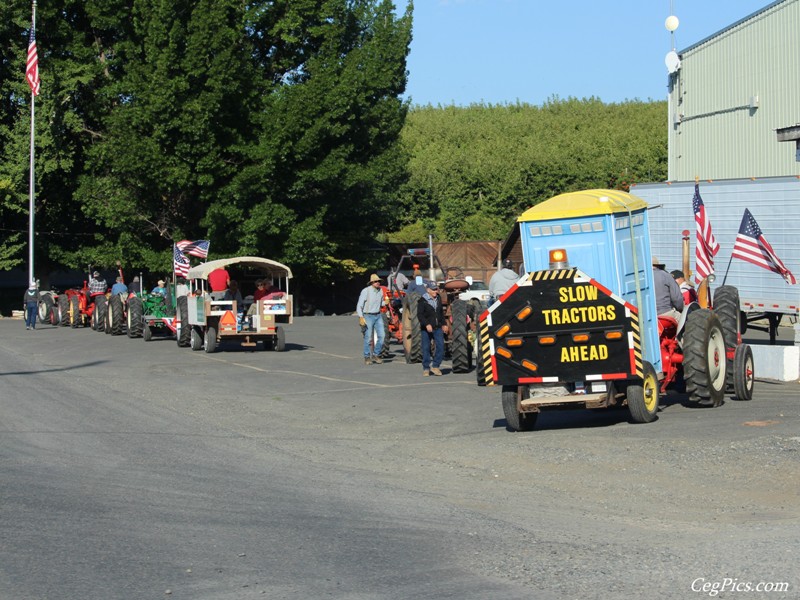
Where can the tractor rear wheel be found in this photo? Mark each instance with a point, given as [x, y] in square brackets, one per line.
[643, 399]
[63, 310]
[185, 330]
[704, 363]
[46, 312]
[743, 372]
[134, 317]
[460, 348]
[726, 307]
[100, 306]
[75, 316]
[516, 420]
[412, 335]
[116, 313]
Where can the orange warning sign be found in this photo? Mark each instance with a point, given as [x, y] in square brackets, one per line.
[227, 323]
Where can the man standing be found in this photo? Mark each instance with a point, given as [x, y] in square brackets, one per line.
[433, 325]
[669, 300]
[502, 281]
[31, 305]
[368, 309]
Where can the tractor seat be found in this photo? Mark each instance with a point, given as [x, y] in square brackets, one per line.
[667, 326]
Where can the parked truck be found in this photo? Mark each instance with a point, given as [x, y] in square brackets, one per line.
[775, 205]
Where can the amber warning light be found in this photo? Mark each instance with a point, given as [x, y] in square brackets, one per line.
[558, 259]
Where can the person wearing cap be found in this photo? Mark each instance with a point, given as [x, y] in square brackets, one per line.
[689, 294]
[433, 325]
[502, 281]
[97, 284]
[31, 300]
[160, 289]
[669, 300]
[368, 309]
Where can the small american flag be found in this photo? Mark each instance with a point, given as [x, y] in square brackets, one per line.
[707, 246]
[32, 67]
[751, 246]
[198, 248]
[180, 262]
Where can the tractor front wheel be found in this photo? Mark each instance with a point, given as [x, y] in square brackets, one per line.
[210, 339]
[196, 339]
[47, 313]
[743, 372]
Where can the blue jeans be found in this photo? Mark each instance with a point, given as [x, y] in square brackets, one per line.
[438, 354]
[30, 316]
[374, 323]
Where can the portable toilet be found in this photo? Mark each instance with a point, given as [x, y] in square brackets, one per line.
[596, 229]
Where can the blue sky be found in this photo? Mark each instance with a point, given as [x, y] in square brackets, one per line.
[502, 51]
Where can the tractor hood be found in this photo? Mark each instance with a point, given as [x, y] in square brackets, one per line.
[264, 265]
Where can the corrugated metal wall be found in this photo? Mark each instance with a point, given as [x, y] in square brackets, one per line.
[714, 133]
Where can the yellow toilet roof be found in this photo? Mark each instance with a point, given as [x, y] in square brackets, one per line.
[582, 204]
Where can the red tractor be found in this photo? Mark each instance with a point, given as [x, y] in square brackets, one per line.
[77, 307]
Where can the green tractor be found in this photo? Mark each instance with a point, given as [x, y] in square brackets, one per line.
[153, 315]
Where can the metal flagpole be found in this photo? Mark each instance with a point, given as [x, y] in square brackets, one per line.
[31, 207]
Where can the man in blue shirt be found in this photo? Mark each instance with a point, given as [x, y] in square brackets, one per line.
[119, 287]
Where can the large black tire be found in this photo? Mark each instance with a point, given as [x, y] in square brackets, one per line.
[704, 363]
[726, 307]
[460, 348]
[100, 306]
[210, 340]
[196, 339]
[412, 334]
[280, 339]
[75, 316]
[515, 420]
[134, 317]
[643, 398]
[47, 313]
[116, 315]
[63, 310]
[743, 372]
[385, 350]
[185, 330]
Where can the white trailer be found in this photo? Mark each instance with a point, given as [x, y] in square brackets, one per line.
[775, 205]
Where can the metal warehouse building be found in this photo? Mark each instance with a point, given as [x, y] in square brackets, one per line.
[734, 100]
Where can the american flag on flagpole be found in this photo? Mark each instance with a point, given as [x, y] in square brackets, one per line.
[198, 248]
[751, 246]
[707, 246]
[179, 262]
[32, 67]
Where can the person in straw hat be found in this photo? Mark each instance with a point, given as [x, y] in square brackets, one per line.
[669, 299]
[368, 309]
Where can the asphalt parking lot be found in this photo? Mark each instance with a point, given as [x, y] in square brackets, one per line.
[588, 505]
